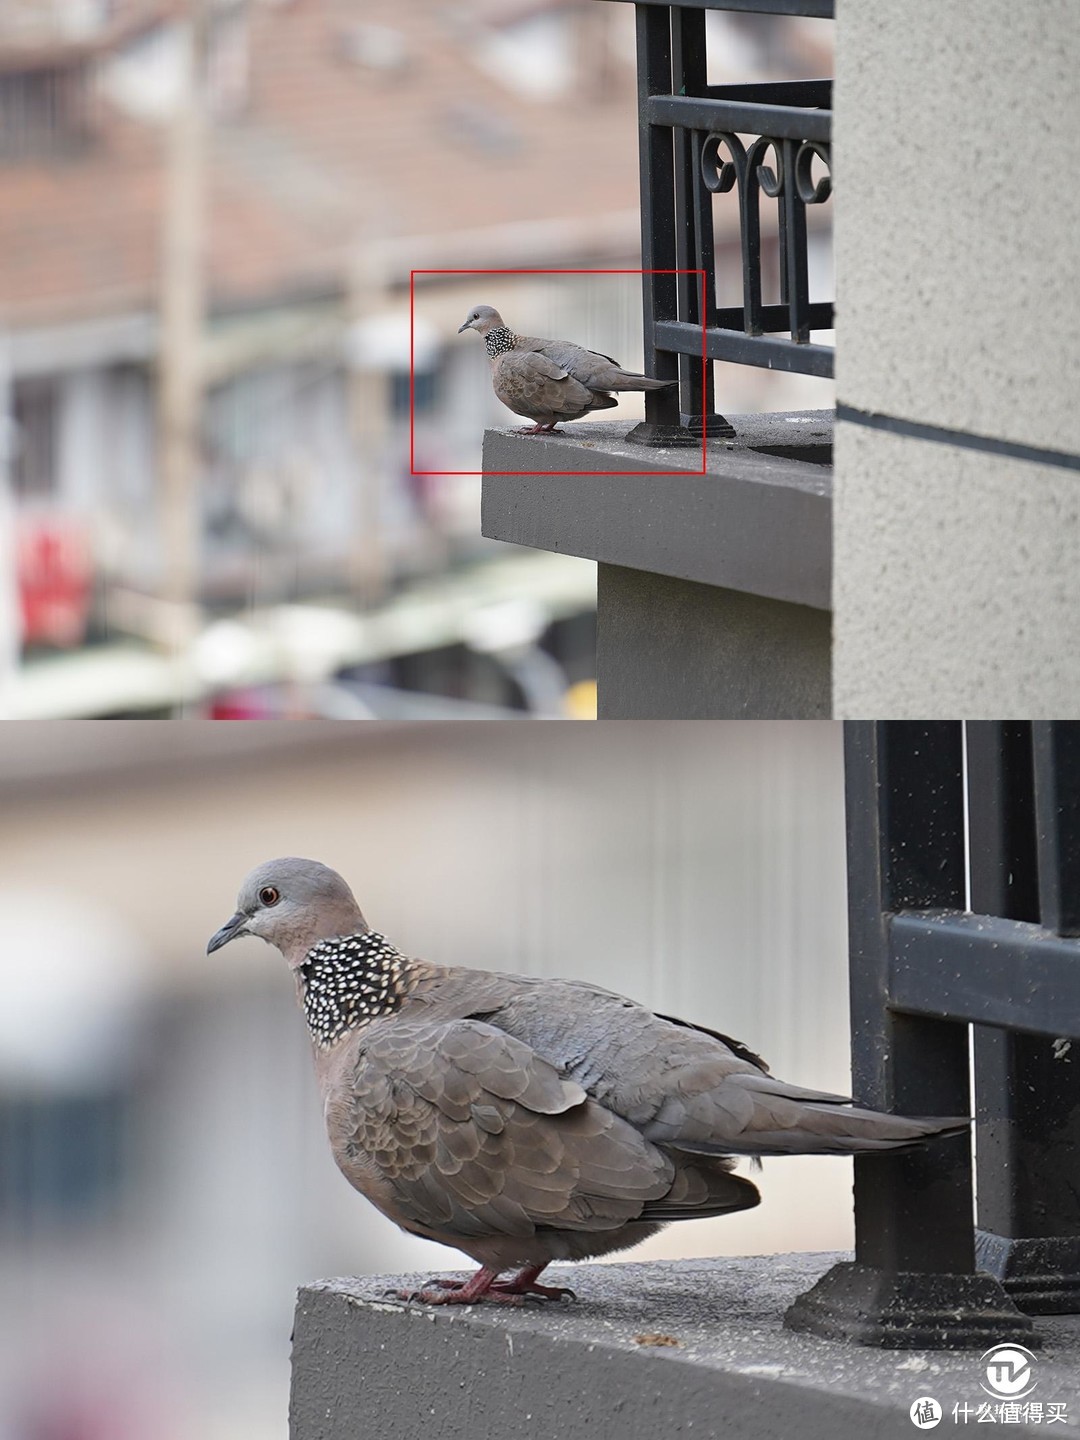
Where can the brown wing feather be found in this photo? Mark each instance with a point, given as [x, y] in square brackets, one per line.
[472, 1133]
[530, 384]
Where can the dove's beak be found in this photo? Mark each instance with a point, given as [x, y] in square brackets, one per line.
[231, 930]
[466, 326]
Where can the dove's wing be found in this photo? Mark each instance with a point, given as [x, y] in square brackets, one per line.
[686, 1088]
[596, 372]
[473, 1134]
[531, 384]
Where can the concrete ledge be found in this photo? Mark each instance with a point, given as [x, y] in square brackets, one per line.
[755, 522]
[604, 1366]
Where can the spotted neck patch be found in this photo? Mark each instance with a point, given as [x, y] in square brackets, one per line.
[348, 981]
[499, 341]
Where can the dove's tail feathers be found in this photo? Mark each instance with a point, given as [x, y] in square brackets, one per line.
[627, 380]
[826, 1130]
[840, 1132]
[780, 1127]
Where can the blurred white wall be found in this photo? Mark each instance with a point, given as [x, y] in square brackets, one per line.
[697, 866]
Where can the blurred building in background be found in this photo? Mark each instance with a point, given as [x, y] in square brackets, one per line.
[165, 1182]
[209, 210]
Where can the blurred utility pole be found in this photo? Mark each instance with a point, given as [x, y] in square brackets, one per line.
[369, 401]
[180, 383]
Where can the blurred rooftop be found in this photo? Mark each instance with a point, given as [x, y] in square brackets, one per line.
[414, 121]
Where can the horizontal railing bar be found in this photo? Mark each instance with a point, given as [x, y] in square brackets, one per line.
[740, 349]
[814, 94]
[986, 970]
[774, 318]
[814, 9]
[779, 122]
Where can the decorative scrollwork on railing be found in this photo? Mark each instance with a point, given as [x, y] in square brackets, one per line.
[720, 175]
[786, 176]
[811, 191]
[770, 178]
[700, 141]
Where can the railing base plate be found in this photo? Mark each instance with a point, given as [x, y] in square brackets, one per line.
[1041, 1275]
[688, 433]
[662, 436]
[718, 426]
[910, 1311]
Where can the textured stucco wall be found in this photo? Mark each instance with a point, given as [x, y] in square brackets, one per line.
[957, 587]
[956, 151]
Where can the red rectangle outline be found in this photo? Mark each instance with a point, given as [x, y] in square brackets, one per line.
[412, 374]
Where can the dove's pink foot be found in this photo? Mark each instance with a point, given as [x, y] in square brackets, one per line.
[539, 429]
[524, 1283]
[459, 1292]
[485, 1286]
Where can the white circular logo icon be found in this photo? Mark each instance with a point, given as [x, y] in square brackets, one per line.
[925, 1413]
[1008, 1372]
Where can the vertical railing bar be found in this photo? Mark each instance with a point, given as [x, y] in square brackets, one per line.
[1004, 881]
[704, 255]
[1056, 747]
[906, 851]
[783, 234]
[1001, 820]
[797, 285]
[750, 221]
[658, 253]
[684, 23]
[689, 78]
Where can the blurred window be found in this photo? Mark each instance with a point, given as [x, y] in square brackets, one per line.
[36, 411]
[424, 392]
[62, 1158]
[43, 112]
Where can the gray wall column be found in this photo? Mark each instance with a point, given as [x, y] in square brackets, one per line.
[677, 649]
[957, 508]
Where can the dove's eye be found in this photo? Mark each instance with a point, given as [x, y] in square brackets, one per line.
[268, 895]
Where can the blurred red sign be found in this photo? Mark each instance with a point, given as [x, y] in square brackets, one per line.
[55, 575]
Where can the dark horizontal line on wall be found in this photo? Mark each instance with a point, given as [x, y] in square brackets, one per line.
[939, 435]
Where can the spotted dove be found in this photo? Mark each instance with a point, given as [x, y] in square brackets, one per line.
[526, 1120]
[550, 380]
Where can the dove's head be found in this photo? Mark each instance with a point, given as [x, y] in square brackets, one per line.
[482, 318]
[292, 904]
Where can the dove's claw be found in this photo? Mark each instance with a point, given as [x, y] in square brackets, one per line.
[485, 1285]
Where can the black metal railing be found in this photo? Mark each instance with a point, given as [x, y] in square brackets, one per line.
[693, 146]
[964, 905]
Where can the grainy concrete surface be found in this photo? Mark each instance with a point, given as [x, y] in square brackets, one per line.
[754, 522]
[367, 1365]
